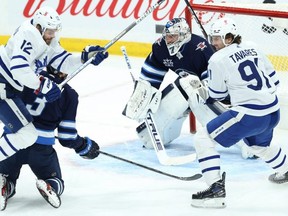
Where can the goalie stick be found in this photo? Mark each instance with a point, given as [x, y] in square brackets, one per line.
[114, 40]
[197, 20]
[186, 178]
[155, 136]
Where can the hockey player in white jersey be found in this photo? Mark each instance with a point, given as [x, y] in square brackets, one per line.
[248, 77]
[34, 45]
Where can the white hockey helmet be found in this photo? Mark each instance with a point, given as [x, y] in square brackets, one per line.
[47, 18]
[177, 26]
[222, 27]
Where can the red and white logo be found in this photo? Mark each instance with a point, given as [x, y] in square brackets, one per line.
[201, 46]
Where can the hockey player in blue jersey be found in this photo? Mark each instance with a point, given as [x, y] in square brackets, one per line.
[246, 74]
[182, 52]
[41, 156]
[34, 45]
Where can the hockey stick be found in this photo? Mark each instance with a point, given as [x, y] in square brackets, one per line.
[114, 40]
[197, 20]
[155, 136]
[188, 178]
[123, 49]
[159, 147]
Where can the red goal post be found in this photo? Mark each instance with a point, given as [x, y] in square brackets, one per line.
[264, 24]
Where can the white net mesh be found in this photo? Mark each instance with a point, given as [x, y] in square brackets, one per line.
[268, 33]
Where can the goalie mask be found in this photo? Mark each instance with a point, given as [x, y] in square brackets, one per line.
[222, 27]
[176, 33]
[47, 18]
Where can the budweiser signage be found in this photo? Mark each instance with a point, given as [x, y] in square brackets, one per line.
[113, 8]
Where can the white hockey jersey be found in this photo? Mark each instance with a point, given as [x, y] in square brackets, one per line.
[247, 76]
[26, 54]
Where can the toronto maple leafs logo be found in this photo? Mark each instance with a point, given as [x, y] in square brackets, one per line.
[168, 62]
[39, 65]
[201, 46]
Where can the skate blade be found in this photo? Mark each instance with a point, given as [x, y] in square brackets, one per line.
[3, 200]
[49, 195]
[209, 203]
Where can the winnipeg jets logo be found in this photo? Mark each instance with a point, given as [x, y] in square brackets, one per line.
[201, 46]
[168, 62]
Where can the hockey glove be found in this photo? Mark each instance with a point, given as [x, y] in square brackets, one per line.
[90, 149]
[95, 52]
[48, 88]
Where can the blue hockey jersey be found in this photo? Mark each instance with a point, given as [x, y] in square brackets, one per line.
[60, 115]
[192, 57]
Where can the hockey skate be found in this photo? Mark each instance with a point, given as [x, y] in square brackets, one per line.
[48, 193]
[213, 197]
[279, 178]
[4, 192]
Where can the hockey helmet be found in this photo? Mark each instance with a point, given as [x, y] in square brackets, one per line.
[179, 28]
[222, 27]
[47, 18]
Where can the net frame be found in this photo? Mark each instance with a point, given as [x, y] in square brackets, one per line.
[277, 23]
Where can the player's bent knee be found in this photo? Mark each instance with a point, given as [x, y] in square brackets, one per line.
[25, 137]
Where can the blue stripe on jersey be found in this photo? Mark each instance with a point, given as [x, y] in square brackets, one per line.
[57, 56]
[67, 136]
[9, 143]
[19, 66]
[67, 124]
[154, 71]
[218, 92]
[277, 83]
[154, 76]
[67, 130]
[204, 75]
[60, 65]
[261, 107]
[7, 71]
[3, 152]
[20, 56]
[273, 74]
[220, 95]
[45, 137]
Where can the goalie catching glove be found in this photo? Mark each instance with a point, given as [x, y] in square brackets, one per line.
[144, 98]
[89, 149]
[95, 52]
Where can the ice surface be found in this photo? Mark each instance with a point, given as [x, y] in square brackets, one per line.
[109, 187]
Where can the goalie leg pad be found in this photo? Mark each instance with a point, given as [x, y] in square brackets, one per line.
[144, 97]
[171, 114]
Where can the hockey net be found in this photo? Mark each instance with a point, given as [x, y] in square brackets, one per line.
[264, 24]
